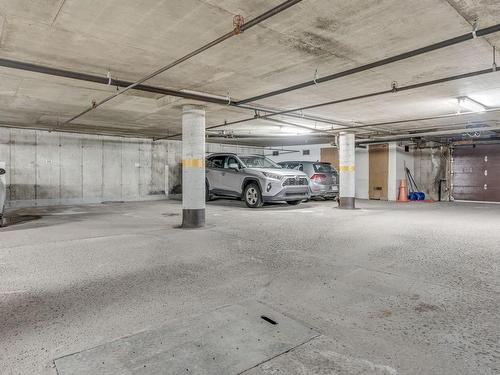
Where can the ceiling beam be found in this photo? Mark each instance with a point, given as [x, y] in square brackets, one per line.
[389, 60]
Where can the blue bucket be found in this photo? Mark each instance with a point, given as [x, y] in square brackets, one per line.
[420, 196]
[416, 196]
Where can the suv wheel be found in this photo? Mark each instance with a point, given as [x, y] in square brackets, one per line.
[252, 196]
[294, 203]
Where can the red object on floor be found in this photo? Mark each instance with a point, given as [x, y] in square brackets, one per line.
[403, 191]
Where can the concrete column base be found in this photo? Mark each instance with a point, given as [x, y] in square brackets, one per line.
[347, 203]
[193, 218]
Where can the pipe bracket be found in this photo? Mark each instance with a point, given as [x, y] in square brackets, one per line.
[394, 86]
[475, 26]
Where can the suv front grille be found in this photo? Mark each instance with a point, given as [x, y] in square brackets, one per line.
[295, 181]
[295, 194]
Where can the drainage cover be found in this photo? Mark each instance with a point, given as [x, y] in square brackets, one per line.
[229, 340]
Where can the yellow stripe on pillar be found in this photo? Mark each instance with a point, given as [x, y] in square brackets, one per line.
[193, 163]
[347, 168]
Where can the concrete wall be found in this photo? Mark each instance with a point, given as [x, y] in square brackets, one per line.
[362, 173]
[392, 184]
[431, 165]
[295, 153]
[398, 160]
[46, 168]
[62, 168]
[427, 165]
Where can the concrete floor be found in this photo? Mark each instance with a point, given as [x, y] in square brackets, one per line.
[393, 288]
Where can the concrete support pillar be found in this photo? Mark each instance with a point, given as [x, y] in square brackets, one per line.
[193, 166]
[347, 170]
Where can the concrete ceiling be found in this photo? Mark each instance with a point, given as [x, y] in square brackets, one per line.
[131, 39]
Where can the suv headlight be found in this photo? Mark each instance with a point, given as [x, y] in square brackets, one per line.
[272, 176]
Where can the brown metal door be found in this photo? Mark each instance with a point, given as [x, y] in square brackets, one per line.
[379, 171]
[476, 173]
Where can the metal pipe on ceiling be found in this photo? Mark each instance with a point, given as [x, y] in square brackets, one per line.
[359, 97]
[413, 141]
[19, 65]
[492, 140]
[397, 137]
[439, 117]
[287, 123]
[272, 136]
[429, 134]
[302, 116]
[245, 26]
[227, 124]
[210, 99]
[444, 126]
[403, 56]
[116, 132]
[56, 72]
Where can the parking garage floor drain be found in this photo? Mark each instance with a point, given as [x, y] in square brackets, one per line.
[229, 340]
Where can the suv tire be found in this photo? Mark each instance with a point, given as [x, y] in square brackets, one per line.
[293, 203]
[252, 195]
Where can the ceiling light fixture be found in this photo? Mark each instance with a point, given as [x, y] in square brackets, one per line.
[464, 102]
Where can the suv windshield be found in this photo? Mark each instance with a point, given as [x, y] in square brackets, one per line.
[257, 161]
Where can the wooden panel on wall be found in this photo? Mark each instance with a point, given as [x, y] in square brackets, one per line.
[378, 171]
[330, 155]
[476, 173]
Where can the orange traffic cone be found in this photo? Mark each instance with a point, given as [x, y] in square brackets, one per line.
[403, 191]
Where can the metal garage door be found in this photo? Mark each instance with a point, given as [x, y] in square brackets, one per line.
[476, 173]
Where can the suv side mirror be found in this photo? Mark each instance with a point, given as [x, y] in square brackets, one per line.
[234, 166]
[2, 171]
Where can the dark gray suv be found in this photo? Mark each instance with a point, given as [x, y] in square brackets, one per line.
[255, 179]
[323, 177]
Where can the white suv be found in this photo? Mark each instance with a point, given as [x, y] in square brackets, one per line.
[255, 179]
